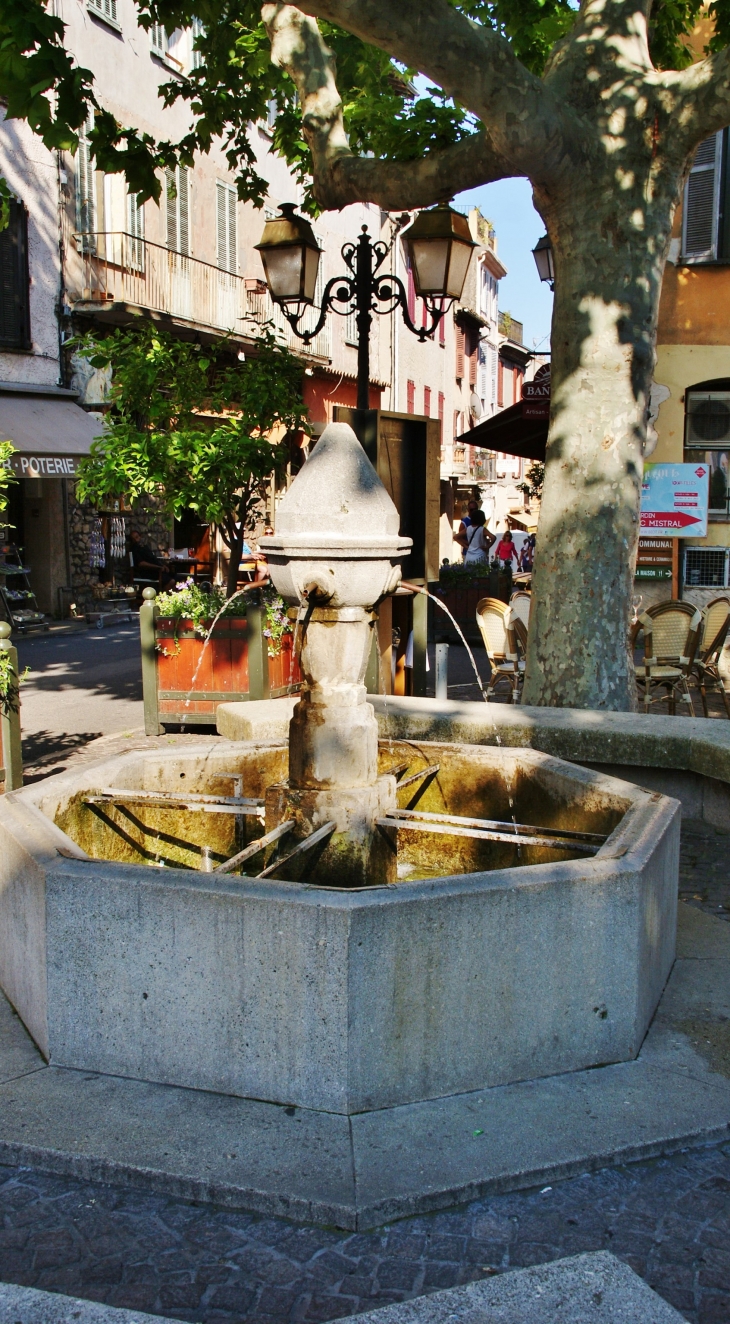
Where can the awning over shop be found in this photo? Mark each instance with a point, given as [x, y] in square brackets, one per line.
[510, 433]
[49, 431]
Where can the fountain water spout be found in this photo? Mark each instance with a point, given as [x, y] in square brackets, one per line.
[335, 554]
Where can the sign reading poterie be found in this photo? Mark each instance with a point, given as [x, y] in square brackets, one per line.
[39, 466]
[674, 500]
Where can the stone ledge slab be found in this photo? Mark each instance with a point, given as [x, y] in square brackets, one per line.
[595, 1288]
[27, 1305]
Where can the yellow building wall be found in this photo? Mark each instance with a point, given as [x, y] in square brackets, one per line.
[679, 366]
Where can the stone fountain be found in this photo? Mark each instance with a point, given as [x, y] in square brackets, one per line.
[335, 555]
[385, 923]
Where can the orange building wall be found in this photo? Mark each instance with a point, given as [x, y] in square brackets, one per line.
[695, 306]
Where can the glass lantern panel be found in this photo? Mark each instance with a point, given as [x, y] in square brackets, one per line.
[311, 267]
[283, 272]
[430, 257]
[458, 267]
[544, 262]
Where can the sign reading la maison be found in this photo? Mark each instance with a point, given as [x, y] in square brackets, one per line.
[44, 466]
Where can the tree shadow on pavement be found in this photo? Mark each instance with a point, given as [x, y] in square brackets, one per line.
[45, 751]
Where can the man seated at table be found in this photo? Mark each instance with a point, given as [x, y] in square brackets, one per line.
[145, 559]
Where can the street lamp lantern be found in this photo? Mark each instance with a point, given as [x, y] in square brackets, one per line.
[290, 254]
[439, 246]
[543, 255]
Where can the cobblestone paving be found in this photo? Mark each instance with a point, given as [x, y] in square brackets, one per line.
[704, 868]
[669, 1219]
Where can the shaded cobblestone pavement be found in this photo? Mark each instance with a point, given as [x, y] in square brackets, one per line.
[669, 1219]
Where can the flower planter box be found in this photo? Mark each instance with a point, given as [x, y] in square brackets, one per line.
[185, 680]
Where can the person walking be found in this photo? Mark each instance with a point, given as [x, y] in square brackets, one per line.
[477, 540]
[507, 552]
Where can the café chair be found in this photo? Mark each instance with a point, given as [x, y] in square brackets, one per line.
[671, 636]
[497, 629]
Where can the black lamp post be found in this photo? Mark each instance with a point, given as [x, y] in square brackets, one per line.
[439, 246]
[543, 255]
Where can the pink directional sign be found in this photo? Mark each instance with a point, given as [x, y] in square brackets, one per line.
[674, 500]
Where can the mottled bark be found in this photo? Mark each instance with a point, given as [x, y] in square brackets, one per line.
[605, 140]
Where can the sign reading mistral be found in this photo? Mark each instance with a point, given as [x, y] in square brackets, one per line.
[674, 500]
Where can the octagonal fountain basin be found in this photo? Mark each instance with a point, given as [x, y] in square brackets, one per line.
[491, 960]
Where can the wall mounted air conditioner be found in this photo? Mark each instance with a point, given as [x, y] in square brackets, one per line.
[708, 420]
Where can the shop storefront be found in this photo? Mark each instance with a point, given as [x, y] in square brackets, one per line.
[50, 434]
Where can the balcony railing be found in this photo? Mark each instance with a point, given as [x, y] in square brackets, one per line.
[121, 268]
[262, 309]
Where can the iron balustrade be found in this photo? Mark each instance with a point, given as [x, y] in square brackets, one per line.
[116, 267]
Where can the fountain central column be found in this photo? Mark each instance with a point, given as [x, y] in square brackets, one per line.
[336, 552]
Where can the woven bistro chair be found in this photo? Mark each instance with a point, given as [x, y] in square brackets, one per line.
[520, 602]
[494, 619]
[705, 671]
[671, 635]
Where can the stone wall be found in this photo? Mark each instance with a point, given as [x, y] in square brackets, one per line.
[148, 518]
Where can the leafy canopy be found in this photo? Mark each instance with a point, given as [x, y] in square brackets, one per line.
[190, 425]
[236, 81]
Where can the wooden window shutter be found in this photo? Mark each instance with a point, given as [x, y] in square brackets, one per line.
[172, 227]
[460, 339]
[701, 201]
[427, 401]
[85, 187]
[442, 402]
[14, 304]
[500, 384]
[232, 231]
[410, 397]
[183, 195]
[222, 223]
[473, 357]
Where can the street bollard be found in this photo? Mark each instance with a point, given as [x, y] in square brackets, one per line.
[12, 754]
[147, 617]
[258, 649]
[442, 671]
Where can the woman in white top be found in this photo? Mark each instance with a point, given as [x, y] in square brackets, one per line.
[477, 540]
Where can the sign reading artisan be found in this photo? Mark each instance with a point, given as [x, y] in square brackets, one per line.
[536, 394]
[674, 500]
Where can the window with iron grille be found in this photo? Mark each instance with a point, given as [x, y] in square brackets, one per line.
[705, 567]
[105, 9]
[14, 303]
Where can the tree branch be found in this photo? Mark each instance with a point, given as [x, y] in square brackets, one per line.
[702, 94]
[340, 177]
[526, 129]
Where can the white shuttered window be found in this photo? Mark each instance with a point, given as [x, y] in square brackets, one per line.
[178, 209]
[158, 40]
[86, 187]
[226, 213]
[106, 8]
[135, 229]
[700, 218]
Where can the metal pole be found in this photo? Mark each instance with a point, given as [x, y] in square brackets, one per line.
[442, 671]
[12, 756]
[364, 294]
[147, 616]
